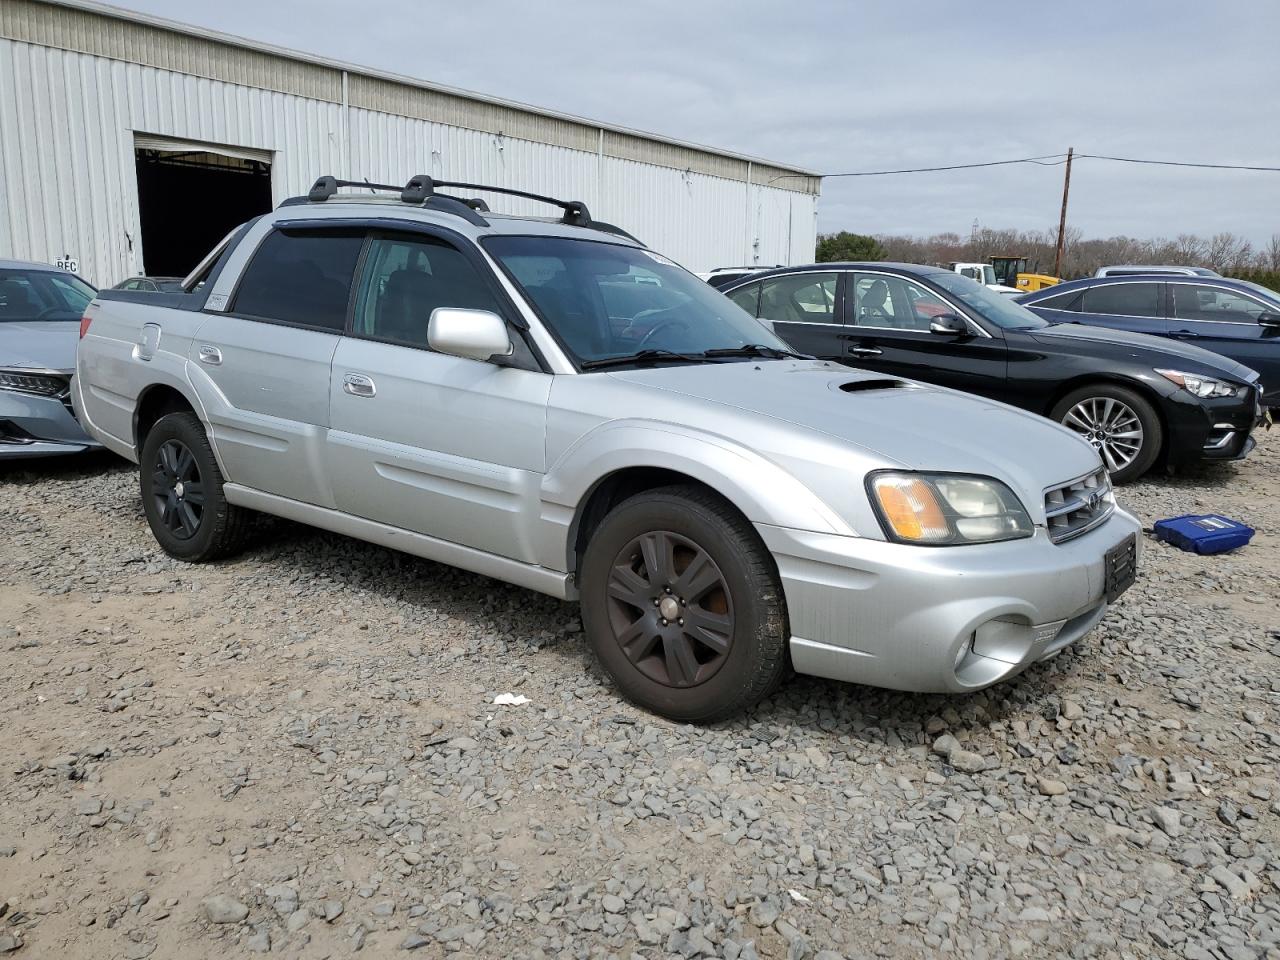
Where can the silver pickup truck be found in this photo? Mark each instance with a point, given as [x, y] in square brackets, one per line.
[550, 403]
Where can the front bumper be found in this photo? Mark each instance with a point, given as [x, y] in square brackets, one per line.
[1219, 428]
[940, 619]
[36, 426]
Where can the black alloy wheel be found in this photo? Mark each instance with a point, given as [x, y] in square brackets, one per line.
[670, 609]
[683, 606]
[182, 492]
[178, 490]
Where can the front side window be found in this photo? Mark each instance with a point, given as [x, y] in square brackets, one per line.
[799, 298]
[1123, 299]
[301, 278]
[1194, 302]
[605, 300]
[405, 279]
[894, 303]
[42, 295]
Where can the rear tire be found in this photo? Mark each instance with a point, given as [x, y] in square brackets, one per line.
[1120, 423]
[682, 604]
[182, 493]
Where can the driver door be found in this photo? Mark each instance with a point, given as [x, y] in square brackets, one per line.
[889, 332]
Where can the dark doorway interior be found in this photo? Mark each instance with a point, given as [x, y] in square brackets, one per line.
[188, 201]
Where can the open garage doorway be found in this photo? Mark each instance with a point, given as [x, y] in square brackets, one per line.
[190, 196]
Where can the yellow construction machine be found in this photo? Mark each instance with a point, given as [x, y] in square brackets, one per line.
[1014, 272]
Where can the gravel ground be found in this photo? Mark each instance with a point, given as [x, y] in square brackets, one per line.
[297, 751]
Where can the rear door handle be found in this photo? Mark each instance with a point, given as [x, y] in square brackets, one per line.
[358, 385]
[209, 354]
[866, 351]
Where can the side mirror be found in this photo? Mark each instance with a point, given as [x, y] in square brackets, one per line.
[948, 325]
[474, 334]
[1270, 319]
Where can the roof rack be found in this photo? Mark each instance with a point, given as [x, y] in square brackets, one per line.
[421, 191]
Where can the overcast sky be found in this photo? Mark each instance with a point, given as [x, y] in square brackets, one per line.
[842, 86]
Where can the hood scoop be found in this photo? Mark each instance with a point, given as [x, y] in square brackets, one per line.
[861, 386]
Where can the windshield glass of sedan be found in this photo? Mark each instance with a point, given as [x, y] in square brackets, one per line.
[42, 295]
[992, 306]
[608, 300]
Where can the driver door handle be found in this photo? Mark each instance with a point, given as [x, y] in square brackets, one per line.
[358, 385]
[866, 351]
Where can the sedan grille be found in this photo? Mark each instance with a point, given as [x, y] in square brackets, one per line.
[1079, 506]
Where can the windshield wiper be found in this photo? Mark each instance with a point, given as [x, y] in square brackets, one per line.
[756, 350]
[641, 356]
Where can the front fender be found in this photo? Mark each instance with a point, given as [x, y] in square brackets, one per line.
[762, 490]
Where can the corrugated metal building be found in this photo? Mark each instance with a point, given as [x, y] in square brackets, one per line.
[129, 144]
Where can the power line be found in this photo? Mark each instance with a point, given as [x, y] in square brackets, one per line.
[1048, 160]
[1058, 157]
[1179, 163]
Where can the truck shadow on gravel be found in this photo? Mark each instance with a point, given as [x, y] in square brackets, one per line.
[506, 617]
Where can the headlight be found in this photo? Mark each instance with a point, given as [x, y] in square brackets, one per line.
[1202, 386]
[41, 384]
[945, 509]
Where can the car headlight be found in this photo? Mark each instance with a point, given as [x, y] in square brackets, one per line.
[945, 509]
[1202, 386]
[41, 384]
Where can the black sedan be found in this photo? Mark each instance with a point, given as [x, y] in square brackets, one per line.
[1137, 399]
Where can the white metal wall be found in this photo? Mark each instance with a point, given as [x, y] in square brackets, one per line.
[68, 183]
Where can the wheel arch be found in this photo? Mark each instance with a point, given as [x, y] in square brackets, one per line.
[154, 402]
[624, 458]
[1114, 380]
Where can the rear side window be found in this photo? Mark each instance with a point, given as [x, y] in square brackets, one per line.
[300, 278]
[1063, 301]
[800, 298]
[748, 298]
[1124, 299]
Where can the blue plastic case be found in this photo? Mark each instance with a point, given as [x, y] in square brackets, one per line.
[1203, 532]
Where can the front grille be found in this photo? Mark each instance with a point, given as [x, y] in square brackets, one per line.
[1079, 506]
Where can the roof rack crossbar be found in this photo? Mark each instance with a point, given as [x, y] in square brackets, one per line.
[421, 190]
[326, 187]
[575, 211]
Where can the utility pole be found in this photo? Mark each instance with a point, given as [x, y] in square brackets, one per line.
[1062, 220]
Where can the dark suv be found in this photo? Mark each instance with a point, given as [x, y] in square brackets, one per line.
[1235, 318]
[1137, 399]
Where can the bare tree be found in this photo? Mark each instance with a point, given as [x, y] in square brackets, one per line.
[1226, 250]
[1269, 257]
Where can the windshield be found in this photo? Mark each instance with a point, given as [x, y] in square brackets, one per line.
[1267, 293]
[42, 295]
[992, 306]
[605, 300]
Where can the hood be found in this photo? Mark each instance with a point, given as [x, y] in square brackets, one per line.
[904, 423]
[43, 344]
[1160, 351]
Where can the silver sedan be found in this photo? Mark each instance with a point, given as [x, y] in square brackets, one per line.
[40, 311]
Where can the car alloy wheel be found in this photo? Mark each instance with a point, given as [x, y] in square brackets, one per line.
[178, 489]
[670, 609]
[1112, 426]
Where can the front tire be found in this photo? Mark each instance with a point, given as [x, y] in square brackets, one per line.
[1121, 424]
[182, 493]
[682, 604]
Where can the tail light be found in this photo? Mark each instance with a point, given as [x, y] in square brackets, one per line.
[84, 325]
